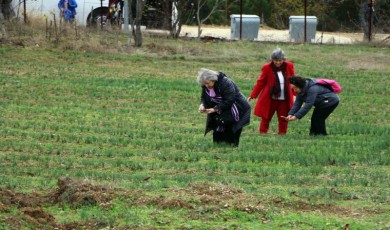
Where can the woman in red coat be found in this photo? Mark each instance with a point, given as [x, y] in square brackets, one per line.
[274, 92]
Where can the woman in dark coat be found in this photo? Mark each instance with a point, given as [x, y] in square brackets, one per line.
[226, 107]
[310, 94]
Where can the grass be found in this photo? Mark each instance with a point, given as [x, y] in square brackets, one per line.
[124, 128]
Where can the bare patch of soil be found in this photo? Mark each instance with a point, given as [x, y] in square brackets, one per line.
[10, 199]
[73, 193]
[76, 193]
[38, 215]
[306, 206]
[199, 198]
[203, 196]
[162, 49]
[373, 62]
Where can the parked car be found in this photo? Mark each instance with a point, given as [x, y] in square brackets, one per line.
[96, 12]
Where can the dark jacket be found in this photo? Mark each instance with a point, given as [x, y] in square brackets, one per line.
[230, 94]
[315, 95]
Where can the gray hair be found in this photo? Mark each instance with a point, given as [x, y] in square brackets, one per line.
[278, 54]
[206, 75]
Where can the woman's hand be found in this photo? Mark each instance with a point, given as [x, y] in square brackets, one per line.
[212, 110]
[290, 118]
[202, 109]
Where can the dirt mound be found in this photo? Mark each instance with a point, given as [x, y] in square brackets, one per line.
[201, 197]
[10, 199]
[38, 215]
[79, 193]
[198, 194]
[215, 189]
[70, 192]
[215, 193]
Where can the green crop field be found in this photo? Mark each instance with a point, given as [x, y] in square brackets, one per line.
[115, 141]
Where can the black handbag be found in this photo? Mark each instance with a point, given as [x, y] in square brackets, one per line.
[224, 118]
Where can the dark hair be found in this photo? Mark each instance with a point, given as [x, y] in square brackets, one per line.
[298, 81]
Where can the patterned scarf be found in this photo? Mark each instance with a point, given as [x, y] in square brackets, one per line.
[217, 100]
[275, 89]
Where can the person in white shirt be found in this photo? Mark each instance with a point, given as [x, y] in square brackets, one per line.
[273, 91]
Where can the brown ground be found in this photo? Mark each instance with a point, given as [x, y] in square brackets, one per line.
[197, 197]
[272, 35]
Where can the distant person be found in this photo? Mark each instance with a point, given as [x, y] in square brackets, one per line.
[115, 11]
[68, 9]
[274, 92]
[321, 97]
[226, 107]
[367, 11]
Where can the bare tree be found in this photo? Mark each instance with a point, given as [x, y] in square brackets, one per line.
[5, 14]
[6, 8]
[199, 5]
[177, 14]
[3, 31]
[135, 22]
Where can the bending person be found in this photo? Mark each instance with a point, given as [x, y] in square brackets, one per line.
[226, 107]
[312, 94]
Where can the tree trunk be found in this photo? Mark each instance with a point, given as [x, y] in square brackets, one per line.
[166, 9]
[3, 32]
[200, 5]
[8, 13]
[178, 8]
[135, 22]
[5, 13]
[131, 22]
[138, 34]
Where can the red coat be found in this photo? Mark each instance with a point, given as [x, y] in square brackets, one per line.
[263, 85]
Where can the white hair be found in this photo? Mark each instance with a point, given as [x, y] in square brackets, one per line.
[207, 75]
[278, 54]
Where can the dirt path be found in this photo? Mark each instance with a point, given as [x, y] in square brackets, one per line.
[267, 34]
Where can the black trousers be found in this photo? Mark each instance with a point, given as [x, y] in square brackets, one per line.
[227, 136]
[318, 120]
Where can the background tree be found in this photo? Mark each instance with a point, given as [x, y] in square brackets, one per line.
[332, 15]
[6, 13]
[282, 10]
[339, 15]
[135, 22]
[178, 16]
[3, 32]
[6, 9]
[200, 5]
[383, 11]
[180, 12]
[261, 8]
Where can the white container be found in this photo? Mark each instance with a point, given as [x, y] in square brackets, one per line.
[297, 28]
[250, 26]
